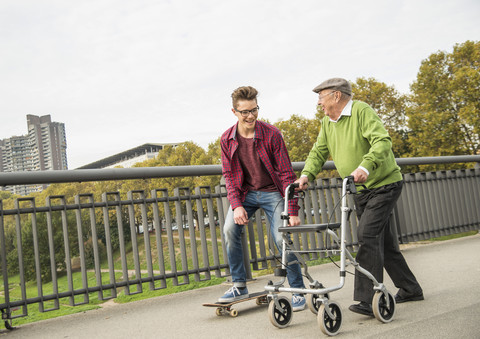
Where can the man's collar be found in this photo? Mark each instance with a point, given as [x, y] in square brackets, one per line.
[258, 131]
[347, 111]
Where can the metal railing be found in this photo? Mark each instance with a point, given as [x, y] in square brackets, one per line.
[129, 242]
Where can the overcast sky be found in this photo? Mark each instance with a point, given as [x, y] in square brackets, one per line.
[123, 73]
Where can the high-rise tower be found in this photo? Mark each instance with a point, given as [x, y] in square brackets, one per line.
[48, 143]
[43, 148]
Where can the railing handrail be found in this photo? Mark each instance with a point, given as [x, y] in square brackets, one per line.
[84, 175]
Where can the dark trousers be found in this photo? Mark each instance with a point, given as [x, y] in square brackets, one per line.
[378, 245]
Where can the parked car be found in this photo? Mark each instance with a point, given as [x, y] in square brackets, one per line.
[312, 211]
[175, 226]
[207, 223]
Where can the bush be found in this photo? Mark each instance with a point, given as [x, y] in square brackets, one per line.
[89, 254]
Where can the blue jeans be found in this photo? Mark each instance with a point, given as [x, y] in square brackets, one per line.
[272, 204]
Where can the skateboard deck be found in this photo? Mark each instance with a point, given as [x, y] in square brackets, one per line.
[223, 308]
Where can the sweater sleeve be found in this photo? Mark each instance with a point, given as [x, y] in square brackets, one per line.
[373, 130]
[285, 170]
[317, 157]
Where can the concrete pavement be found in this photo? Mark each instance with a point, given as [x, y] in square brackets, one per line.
[448, 271]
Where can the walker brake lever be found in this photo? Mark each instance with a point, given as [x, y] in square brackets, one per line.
[349, 213]
[291, 190]
[351, 188]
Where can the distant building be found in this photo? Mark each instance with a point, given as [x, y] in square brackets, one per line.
[130, 157]
[43, 148]
[48, 142]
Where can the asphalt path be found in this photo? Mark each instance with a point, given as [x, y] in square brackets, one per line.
[449, 272]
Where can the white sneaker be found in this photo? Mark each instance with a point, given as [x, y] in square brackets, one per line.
[298, 302]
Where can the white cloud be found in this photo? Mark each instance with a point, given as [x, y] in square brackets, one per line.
[123, 73]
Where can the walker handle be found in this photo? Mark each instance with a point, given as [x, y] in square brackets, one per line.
[291, 190]
[351, 184]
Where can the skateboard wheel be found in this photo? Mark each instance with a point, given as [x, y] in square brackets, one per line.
[219, 311]
[233, 313]
[261, 300]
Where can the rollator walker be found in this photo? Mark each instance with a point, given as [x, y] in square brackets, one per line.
[329, 314]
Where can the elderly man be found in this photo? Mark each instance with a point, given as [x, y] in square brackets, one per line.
[353, 134]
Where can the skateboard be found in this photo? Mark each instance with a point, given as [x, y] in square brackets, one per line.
[223, 308]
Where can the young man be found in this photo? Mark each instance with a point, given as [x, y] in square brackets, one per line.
[353, 134]
[257, 170]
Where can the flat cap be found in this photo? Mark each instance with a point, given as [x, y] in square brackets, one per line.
[337, 84]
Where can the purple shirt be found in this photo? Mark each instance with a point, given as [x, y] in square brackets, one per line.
[256, 175]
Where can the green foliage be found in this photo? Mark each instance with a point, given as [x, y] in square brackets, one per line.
[299, 134]
[185, 154]
[390, 107]
[27, 235]
[445, 115]
[5, 195]
[89, 253]
[454, 236]
[214, 153]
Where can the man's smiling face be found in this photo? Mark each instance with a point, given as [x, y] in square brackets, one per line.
[247, 113]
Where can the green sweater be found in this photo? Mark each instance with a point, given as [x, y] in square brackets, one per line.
[356, 140]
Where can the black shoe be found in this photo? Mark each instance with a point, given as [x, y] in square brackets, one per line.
[400, 298]
[362, 308]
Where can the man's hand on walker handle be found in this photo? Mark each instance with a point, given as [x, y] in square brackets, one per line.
[302, 183]
[359, 176]
[294, 220]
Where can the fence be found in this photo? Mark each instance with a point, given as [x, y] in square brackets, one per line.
[114, 242]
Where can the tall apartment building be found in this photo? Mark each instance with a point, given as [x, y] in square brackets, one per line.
[43, 148]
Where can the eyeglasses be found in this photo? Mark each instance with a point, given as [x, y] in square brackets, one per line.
[245, 113]
[320, 97]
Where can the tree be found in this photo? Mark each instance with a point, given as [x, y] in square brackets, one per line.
[445, 115]
[299, 134]
[391, 108]
[5, 195]
[43, 248]
[213, 156]
[187, 153]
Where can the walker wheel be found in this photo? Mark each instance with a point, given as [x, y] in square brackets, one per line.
[282, 317]
[313, 302]
[330, 326]
[379, 305]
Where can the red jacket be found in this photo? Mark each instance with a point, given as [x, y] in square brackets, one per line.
[272, 152]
